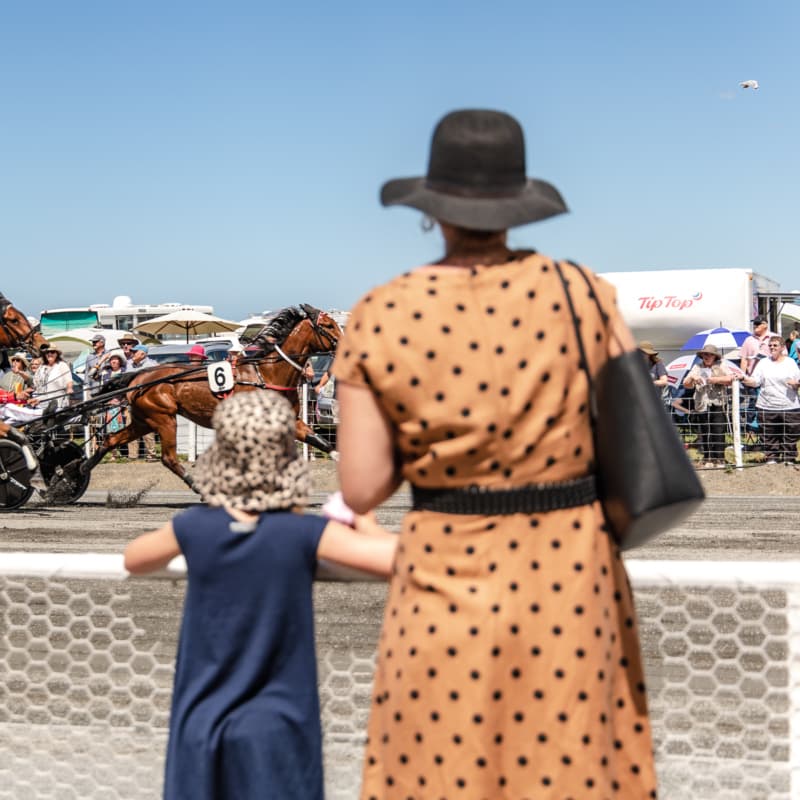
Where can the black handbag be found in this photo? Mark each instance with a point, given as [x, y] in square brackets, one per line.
[646, 482]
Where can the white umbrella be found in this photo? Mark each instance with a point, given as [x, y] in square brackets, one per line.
[677, 368]
[187, 322]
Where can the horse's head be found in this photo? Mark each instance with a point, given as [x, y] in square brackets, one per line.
[325, 328]
[16, 331]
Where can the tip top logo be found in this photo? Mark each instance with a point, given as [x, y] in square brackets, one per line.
[673, 301]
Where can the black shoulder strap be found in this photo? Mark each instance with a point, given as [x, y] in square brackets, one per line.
[592, 292]
[576, 323]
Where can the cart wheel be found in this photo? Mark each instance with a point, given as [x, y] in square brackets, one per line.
[15, 477]
[61, 470]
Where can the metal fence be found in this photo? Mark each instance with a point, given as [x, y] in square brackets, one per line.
[733, 435]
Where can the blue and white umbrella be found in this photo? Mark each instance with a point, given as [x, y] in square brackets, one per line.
[723, 338]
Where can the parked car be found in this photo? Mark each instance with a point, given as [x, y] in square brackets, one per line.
[229, 339]
[179, 353]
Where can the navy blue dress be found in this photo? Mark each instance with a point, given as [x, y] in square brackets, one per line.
[245, 710]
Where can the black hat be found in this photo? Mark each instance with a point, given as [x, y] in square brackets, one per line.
[476, 176]
[759, 320]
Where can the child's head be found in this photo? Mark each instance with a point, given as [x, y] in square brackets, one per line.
[253, 464]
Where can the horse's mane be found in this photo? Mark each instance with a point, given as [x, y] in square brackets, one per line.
[279, 327]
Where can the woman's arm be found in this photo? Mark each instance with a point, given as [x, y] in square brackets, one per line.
[367, 547]
[723, 380]
[152, 551]
[368, 469]
[754, 379]
[322, 381]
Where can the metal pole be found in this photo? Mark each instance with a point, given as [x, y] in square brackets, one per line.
[736, 424]
[192, 442]
[304, 414]
[88, 445]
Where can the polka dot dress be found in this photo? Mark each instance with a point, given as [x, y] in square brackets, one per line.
[509, 662]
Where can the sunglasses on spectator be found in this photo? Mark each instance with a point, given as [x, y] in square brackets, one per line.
[776, 346]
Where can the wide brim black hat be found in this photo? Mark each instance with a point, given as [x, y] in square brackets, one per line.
[476, 176]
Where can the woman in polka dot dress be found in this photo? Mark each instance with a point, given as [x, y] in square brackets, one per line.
[509, 662]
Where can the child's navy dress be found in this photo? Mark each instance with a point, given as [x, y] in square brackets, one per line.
[245, 710]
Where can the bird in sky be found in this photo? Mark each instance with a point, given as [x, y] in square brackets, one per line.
[749, 84]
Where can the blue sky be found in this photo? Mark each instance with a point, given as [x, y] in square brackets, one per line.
[232, 153]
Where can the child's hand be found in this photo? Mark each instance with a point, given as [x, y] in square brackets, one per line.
[336, 509]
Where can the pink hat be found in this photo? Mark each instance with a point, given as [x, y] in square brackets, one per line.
[197, 350]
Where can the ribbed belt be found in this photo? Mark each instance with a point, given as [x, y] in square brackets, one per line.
[534, 498]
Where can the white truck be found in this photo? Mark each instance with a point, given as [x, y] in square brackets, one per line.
[666, 307]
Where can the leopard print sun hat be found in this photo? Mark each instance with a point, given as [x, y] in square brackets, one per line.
[253, 464]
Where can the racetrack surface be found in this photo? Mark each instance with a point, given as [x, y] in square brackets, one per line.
[725, 528]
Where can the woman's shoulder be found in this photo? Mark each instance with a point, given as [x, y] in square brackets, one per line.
[382, 291]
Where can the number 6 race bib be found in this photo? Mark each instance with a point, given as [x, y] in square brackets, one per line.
[220, 378]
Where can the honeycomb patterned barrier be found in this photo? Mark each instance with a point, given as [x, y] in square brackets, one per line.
[86, 670]
[721, 646]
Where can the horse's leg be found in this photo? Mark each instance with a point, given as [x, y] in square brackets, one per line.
[303, 433]
[127, 434]
[166, 425]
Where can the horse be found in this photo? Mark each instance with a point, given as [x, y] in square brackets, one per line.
[16, 332]
[273, 362]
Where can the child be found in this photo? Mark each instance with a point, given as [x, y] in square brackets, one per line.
[245, 709]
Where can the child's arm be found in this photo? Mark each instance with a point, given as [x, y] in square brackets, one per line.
[152, 551]
[367, 547]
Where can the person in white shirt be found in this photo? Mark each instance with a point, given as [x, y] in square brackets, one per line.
[55, 381]
[52, 384]
[778, 403]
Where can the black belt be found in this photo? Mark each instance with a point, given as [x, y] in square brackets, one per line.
[535, 498]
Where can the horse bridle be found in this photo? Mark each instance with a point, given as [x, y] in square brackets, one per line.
[322, 334]
[13, 338]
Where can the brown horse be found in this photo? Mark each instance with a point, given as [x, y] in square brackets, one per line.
[158, 394]
[17, 333]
